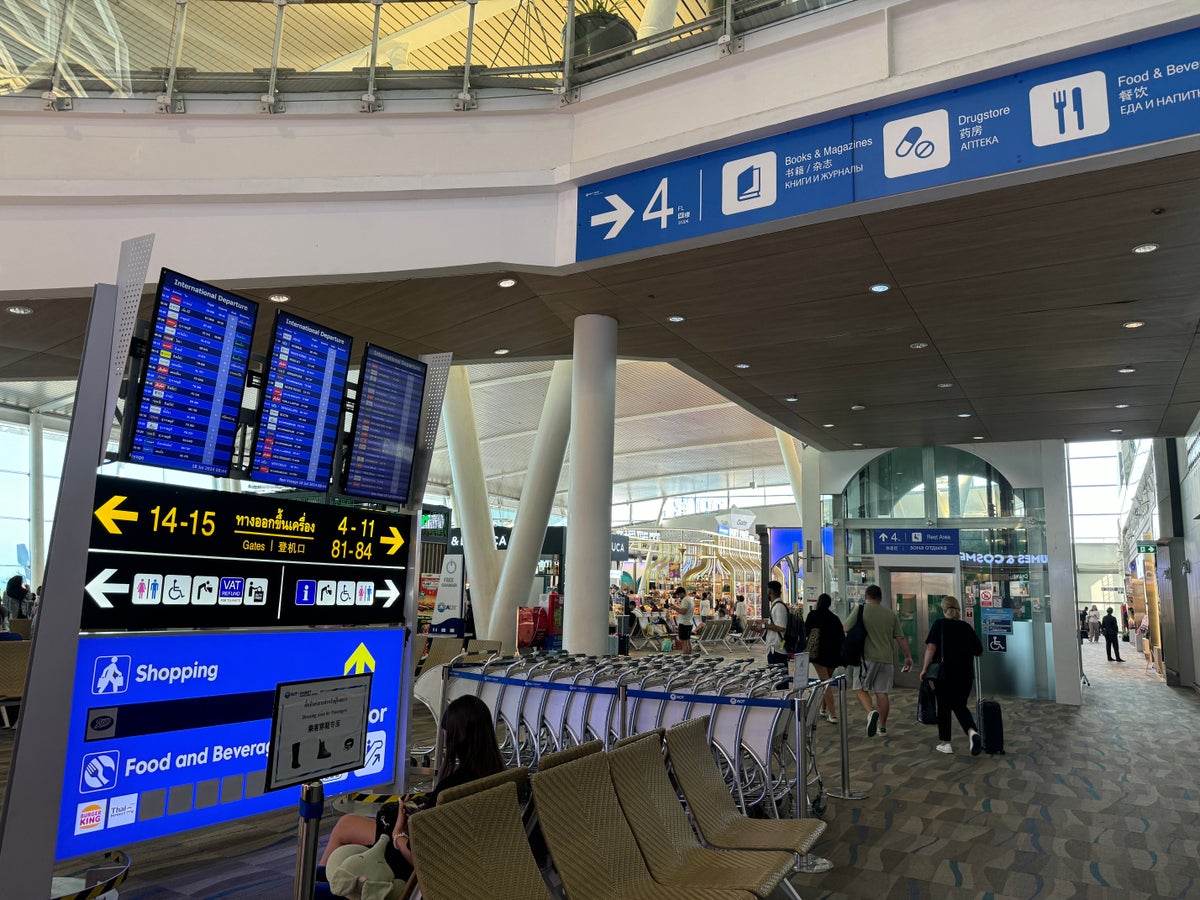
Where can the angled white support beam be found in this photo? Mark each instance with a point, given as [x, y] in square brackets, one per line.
[470, 493]
[533, 513]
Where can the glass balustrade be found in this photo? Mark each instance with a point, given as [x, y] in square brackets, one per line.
[194, 51]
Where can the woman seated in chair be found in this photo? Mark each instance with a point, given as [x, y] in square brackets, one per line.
[469, 752]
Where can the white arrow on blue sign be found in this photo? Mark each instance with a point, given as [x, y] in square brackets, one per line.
[620, 213]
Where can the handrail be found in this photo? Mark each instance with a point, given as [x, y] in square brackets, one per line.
[330, 48]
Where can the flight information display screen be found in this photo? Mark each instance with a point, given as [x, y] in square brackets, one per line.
[195, 376]
[385, 426]
[300, 420]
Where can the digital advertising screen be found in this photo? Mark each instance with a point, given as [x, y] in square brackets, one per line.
[386, 420]
[196, 372]
[300, 421]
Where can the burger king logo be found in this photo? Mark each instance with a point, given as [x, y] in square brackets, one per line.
[89, 816]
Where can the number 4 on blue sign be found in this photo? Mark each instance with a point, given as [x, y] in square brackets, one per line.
[622, 212]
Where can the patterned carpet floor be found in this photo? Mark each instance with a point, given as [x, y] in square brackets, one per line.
[1099, 801]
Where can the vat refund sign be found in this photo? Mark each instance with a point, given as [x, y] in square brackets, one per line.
[1114, 100]
[170, 732]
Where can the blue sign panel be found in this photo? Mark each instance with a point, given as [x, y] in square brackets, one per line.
[783, 541]
[997, 643]
[996, 620]
[1108, 101]
[917, 540]
[170, 732]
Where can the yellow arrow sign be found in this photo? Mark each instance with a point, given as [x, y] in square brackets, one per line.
[109, 515]
[395, 539]
[360, 661]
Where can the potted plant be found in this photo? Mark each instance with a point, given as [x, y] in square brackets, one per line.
[599, 26]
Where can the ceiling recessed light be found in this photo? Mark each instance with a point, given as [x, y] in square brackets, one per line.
[1133, 324]
[918, 345]
[964, 415]
[978, 437]
[1127, 370]
[20, 310]
[500, 351]
[791, 399]
[858, 407]
[1121, 406]
[881, 288]
[1116, 430]
[856, 444]
[1145, 248]
[945, 384]
[279, 298]
[741, 365]
[507, 282]
[827, 425]
[675, 319]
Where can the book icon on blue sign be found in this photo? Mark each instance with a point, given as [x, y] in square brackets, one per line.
[749, 183]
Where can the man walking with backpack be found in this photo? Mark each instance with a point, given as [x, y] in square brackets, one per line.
[876, 672]
[775, 623]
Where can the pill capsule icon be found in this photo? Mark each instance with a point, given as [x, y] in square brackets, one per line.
[912, 143]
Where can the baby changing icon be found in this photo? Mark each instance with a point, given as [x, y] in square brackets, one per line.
[110, 675]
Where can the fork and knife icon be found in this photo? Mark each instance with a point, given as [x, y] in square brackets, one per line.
[1060, 106]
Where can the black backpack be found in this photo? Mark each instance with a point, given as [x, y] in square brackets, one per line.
[794, 639]
[856, 642]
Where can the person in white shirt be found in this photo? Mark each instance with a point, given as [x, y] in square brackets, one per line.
[687, 609]
[705, 608]
[775, 624]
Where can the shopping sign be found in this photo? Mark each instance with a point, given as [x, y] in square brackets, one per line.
[1114, 100]
[170, 732]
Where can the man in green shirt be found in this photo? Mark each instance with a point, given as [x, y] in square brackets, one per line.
[876, 674]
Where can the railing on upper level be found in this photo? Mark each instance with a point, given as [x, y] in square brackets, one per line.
[182, 53]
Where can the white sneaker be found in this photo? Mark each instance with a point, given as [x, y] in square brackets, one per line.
[813, 865]
[944, 748]
[833, 720]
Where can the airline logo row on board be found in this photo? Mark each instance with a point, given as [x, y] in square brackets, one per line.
[1120, 98]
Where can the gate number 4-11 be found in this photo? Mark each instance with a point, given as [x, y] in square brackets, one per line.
[621, 212]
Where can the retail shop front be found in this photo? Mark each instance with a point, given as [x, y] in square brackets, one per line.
[924, 523]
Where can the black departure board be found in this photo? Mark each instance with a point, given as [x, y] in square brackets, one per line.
[386, 419]
[195, 376]
[299, 423]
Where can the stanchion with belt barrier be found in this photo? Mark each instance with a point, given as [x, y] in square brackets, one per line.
[113, 858]
[800, 705]
[845, 792]
[312, 805]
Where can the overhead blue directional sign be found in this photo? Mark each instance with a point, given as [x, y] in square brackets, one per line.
[917, 540]
[170, 731]
[1113, 100]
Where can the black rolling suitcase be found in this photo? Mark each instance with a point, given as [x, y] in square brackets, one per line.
[989, 718]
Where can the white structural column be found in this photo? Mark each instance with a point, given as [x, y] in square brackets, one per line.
[791, 462]
[1064, 621]
[37, 501]
[470, 492]
[537, 501]
[589, 497]
[810, 515]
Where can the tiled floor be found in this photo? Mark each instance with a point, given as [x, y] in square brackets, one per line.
[1099, 801]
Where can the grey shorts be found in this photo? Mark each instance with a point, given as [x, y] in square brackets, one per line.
[875, 676]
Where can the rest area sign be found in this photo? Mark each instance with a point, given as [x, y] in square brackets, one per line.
[1114, 100]
[170, 732]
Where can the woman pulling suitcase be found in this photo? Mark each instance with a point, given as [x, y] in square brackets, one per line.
[950, 652]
